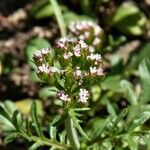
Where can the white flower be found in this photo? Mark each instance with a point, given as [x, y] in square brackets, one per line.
[45, 51]
[82, 44]
[44, 68]
[38, 54]
[62, 95]
[87, 34]
[96, 57]
[81, 37]
[83, 95]
[97, 30]
[91, 49]
[67, 55]
[93, 70]
[53, 69]
[96, 41]
[63, 40]
[100, 71]
[77, 50]
[78, 72]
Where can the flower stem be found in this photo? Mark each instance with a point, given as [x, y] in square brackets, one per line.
[72, 134]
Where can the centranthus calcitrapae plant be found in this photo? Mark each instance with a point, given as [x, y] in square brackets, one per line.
[72, 70]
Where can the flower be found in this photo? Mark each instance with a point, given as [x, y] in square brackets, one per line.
[93, 70]
[45, 51]
[88, 31]
[44, 68]
[96, 57]
[77, 50]
[83, 44]
[61, 95]
[100, 71]
[67, 55]
[83, 95]
[78, 72]
[38, 54]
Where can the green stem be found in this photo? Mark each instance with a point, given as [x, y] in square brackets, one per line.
[72, 134]
[59, 17]
[44, 141]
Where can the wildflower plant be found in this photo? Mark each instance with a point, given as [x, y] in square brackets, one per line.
[72, 70]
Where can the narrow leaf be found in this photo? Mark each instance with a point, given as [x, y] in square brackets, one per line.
[139, 120]
[35, 120]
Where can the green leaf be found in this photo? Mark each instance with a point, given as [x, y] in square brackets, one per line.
[70, 16]
[34, 45]
[129, 92]
[139, 120]
[99, 129]
[16, 121]
[132, 142]
[59, 17]
[129, 19]
[144, 72]
[4, 113]
[62, 137]
[53, 132]
[46, 92]
[119, 118]
[111, 83]
[42, 9]
[141, 54]
[9, 138]
[35, 146]
[35, 120]
[76, 121]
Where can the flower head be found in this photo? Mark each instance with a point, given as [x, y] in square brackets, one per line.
[62, 96]
[83, 95]
[88, 31]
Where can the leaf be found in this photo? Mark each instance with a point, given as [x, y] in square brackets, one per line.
[4, 113]
[99, 129]
[144, 72]
[132, 143]
[15, 120]
[35, 120]
[59, 17]
[9, 138]
[76, 121]
[129, 19]
[42, 9]
[25, 106]
[46, 92]
[70, 16]
[53, 132]
[111, 83]
[129, 91]
[139, 120]
[58, 120]
[62, 137]
[35, 146]
[119, 118]
[34, 45]
[137, 58]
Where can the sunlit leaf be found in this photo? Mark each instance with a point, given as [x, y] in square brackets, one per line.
[129, 91]
[129, 19]
[144, 70]
[139, 120]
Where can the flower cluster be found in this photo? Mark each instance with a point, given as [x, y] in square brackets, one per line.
[88, 31]
[73, 68]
